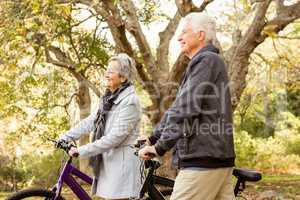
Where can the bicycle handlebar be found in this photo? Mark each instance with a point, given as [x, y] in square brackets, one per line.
[139, 145]
[65, 145]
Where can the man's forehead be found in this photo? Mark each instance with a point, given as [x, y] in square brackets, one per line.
[185, 25]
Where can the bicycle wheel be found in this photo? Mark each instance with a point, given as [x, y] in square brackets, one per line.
[165, 192]
[30, 194]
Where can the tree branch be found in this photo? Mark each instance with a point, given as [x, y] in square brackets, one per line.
[62, 61]
[257, 32]
[184, 7]
[71, 26]
[238, 67]
[116, 25]
[285, 15]
[72, 41]
[187, 6]
[202, 7]
[165, 37]
[288, 38]
[65, 106]
[60, 58]
[133, 26]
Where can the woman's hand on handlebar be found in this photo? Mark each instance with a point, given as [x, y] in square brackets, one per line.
[73, 152]
[147, 153]
[67, 147]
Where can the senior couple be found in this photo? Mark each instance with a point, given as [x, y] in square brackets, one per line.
[203, 156]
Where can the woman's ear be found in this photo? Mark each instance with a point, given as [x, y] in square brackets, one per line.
[123, 79]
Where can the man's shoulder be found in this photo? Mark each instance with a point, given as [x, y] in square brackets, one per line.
[207, 55]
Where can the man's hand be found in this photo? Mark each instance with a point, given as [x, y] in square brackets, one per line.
[146, 138]
[147, 152]
[73, 152]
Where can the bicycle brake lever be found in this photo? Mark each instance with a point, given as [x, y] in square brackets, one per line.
[140, 143]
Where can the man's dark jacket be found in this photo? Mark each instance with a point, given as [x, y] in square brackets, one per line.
[199, 122]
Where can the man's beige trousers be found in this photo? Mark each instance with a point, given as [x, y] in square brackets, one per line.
[212, 184]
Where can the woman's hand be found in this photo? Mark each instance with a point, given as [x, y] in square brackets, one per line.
[147, 153]
[73, 152]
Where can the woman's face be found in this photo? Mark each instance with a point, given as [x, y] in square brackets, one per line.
[113, 79]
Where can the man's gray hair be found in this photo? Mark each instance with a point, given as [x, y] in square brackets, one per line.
[126, 67]
[202, 22]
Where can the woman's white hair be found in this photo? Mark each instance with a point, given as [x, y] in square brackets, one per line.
[202, 22]
[126, 67]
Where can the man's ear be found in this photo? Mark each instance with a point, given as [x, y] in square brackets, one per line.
[201, 36]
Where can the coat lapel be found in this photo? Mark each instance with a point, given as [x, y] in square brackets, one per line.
[125, 93]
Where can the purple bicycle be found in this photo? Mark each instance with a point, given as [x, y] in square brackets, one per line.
[66, 176]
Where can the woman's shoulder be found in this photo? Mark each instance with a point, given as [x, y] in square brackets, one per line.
[128, 97]
[131, 98]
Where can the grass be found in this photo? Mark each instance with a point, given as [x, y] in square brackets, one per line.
[3, 195]
[285, 185]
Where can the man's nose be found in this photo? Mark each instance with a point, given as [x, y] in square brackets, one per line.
[179, 38]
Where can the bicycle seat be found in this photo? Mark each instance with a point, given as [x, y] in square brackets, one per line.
[246, 174]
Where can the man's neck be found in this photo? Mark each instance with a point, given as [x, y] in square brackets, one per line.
[195, 51]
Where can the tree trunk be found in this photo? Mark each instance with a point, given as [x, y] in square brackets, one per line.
[84, 103]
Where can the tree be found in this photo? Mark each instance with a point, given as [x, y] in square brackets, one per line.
[31, 28]
[156, 74]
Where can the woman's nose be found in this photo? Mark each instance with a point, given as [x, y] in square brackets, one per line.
[106, 75]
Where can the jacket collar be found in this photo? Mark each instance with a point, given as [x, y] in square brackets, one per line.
[197, 57]
[124, 94]
[208, 47]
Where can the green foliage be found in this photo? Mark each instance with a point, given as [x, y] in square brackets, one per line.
[293, 97]
[293, 144]
[266, 154]
[257, 114]
[41, 170]
[245, 147]
[36, 93]
[30, 170]
[10, 173]
[149, 11]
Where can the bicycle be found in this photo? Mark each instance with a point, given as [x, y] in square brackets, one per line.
[149, 191]
[153, 193]
[64, 177]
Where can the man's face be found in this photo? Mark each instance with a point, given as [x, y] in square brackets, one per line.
[190, 41]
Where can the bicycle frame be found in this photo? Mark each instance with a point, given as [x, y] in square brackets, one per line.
[66, 177]
[149, 187]
[242, 176]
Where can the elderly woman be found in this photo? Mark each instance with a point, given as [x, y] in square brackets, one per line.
[114, 126]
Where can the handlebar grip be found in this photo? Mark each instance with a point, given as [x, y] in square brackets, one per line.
[152, 155]
[62, 144]
[140, 143]
[76, 155]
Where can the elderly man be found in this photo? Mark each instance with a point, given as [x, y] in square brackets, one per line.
[199, 123]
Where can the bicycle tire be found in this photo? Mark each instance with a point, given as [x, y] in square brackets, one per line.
[165, 193]
[35, 192]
